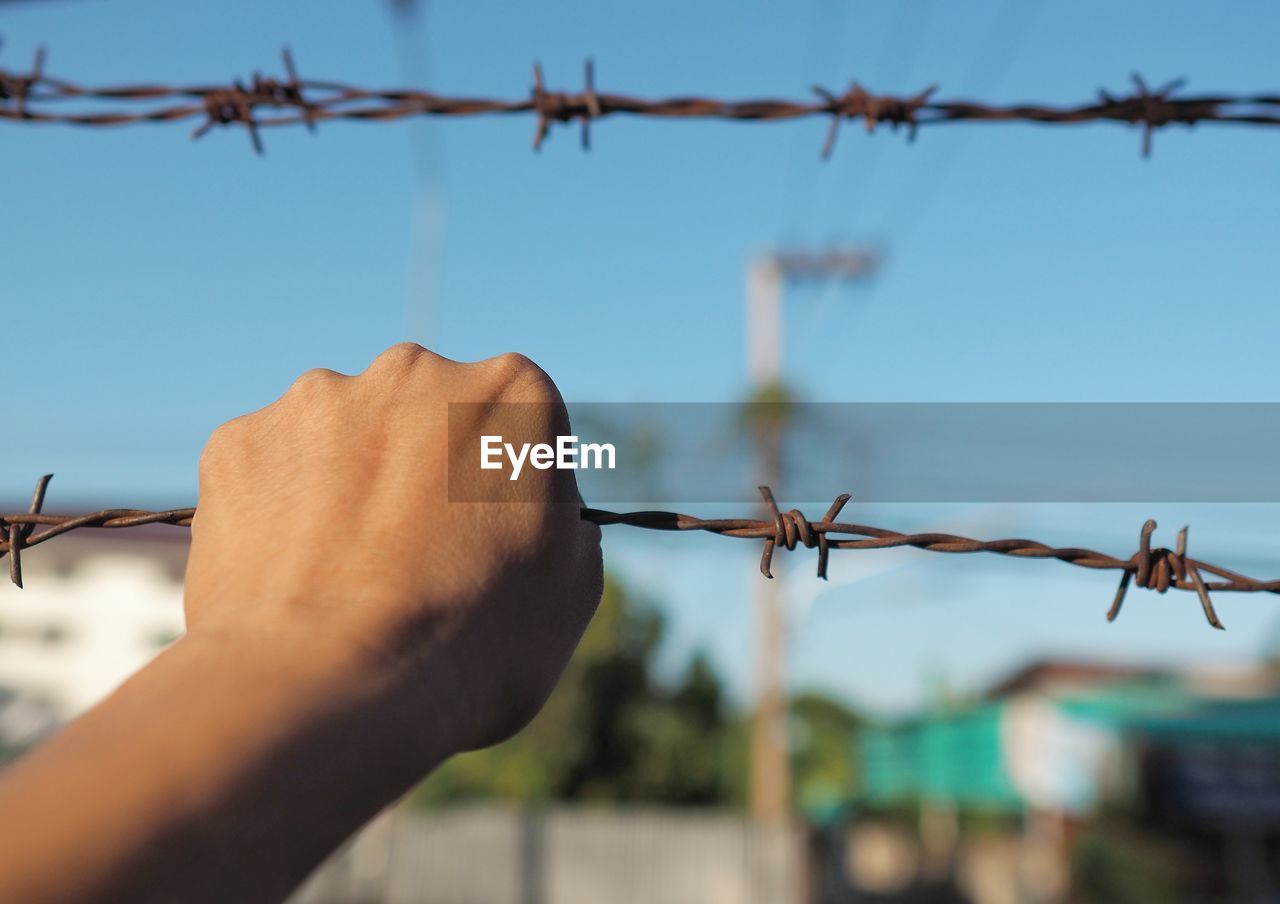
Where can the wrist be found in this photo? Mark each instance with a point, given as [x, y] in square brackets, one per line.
[261, 749]
[323, 681]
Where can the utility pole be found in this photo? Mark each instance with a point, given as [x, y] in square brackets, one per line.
[767, 277]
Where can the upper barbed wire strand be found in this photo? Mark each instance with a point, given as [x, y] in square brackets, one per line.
[35, 96]
[1157, 569]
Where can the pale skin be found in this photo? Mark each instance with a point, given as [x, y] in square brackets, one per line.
[348, 629]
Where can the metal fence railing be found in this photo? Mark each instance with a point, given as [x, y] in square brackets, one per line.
[502, 855]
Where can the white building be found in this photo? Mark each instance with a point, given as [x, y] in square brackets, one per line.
[97, 606]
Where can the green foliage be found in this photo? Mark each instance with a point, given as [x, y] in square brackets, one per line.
[611, 732]
[823, 754]
[768, 412]
[1112, 865]
[608, 732]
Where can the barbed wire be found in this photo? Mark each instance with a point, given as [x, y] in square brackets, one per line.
[1151, 568]
[35, 96]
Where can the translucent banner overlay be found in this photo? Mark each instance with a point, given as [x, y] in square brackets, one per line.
[879, 452]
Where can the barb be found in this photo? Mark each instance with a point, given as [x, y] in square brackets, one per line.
[36, 97]
[15, 89]
[1156, 569]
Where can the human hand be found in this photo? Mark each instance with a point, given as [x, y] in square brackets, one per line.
[324, 525]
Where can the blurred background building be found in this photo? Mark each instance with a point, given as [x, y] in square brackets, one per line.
[98, 606]
[1075, 781]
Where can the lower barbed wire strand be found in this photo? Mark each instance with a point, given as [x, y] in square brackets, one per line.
[1158, 569]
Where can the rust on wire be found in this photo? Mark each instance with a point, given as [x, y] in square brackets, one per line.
[560, 107]
[35, 96]
[16, 89]
[872, 109]
[1157, 569]
[238, 104]
[20, 533]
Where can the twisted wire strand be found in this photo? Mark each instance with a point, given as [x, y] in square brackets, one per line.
[36, 97]
[1151, 568]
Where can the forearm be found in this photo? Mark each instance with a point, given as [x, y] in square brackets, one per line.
[224, 770]
[327, 671]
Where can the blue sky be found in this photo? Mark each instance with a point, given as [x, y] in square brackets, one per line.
[154, 286]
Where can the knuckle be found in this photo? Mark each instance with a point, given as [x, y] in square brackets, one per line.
[221, 441]
[510, 363]
[225, 435]
[400, 356]
[522, 380]
[314, 381]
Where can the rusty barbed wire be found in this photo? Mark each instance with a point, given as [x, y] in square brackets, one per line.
[37, 97]
[1157, 568]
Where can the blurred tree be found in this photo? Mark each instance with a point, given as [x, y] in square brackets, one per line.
[609, 731]
[612, 732]
[823, 754]
[1113, 864]
[681, 741]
